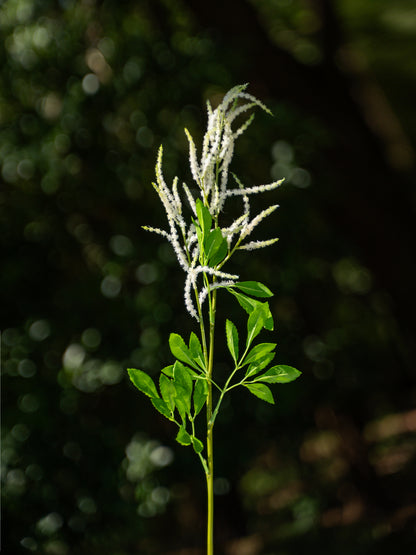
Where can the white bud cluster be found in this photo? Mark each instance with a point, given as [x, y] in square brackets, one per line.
[211, 174]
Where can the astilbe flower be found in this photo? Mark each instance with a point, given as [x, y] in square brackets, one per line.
[211, 174]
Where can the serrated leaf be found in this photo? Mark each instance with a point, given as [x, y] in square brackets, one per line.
[232, 339]
[200, 237]
[258, 351]
[255, 323]
[261, 391]
[215, 247]
[182, 382]
[162, 407]
[200, 395]
[180, 404]
[168, 371]
[180, 350]
[279, 374]
[167, 389]
[254, 288]
[250, 304]
[143, 382]
[204, 217]
[183, 437]
[197, 445]
[259, 365]
[196, 350]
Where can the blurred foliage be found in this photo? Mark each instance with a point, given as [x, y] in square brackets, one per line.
[88, 92]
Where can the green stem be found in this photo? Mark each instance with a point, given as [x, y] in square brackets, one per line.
[210, 426]
[227, 386]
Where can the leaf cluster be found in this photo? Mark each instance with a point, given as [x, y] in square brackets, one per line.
[255, 359]
[184, 385]
[183, 388]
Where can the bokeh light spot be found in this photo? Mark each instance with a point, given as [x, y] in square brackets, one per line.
[147, 273]
[20, 432]
[87, 505]
[121, 245]
[29, 403]
[74, 356]
[91, 338]
[90, 84]
[40, 330]
[110, 287]
[50, 524]
[26, 368]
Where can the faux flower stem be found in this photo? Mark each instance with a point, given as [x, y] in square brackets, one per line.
[202, 247]
[210, 429]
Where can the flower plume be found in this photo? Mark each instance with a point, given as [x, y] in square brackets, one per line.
[201, 245]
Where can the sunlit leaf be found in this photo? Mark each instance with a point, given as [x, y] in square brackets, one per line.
[279, 374]
[259, 365]
[250, 304]
[258, 351]
[215, 247]
[254, 288]
[143, 382]
[168, 371]
[180, 350]
[204, 218]
[196, 350]
[183, 385]
[197, 444]
[256, 322]
[200, 395]
[167, 389]
[232, 339]
[162, 407]
[183, 437]
[261, 391]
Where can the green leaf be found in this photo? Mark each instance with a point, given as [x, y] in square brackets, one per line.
[197, 444]
[168, 371]
[167, 389]
[143, 382]
[204, 217]
[261, 391]
[232, 339]
[200, 237]
[279, 374]
[180, 350]
[183, 437]
[259, 365]
[183, 386]
[255, 323]
[215, 247]
[200, 395]
[180, 403]
[196, 350]
[250, 304]
[162, 407]
[258, 352]
[254, 288]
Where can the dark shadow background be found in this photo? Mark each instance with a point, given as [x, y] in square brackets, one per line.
[89, 90]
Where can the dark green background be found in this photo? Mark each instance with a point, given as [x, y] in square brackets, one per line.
[88, 92]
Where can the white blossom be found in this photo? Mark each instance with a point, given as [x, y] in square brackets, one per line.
[203, 294]
[211, 174]
[253, 190]
[255, 221]
[191, 199]
[156, 230]
[258, 244]
[192, 157]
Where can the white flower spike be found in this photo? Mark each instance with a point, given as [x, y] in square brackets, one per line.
[214, 246]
